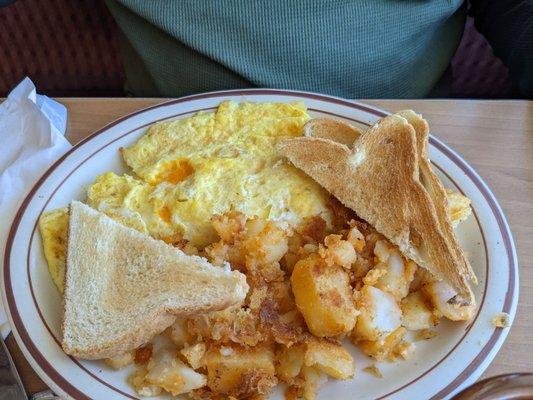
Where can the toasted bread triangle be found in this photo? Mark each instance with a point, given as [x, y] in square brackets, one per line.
[342, 132]
[379, 180]
[122, 287]
[434, 187]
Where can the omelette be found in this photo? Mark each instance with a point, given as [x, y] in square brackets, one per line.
[54, 231]
[185, 171]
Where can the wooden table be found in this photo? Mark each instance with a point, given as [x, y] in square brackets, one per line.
[496, 137]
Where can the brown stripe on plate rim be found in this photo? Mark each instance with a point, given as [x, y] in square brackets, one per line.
[9, 290]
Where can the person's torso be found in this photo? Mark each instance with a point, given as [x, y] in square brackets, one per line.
[354, 49]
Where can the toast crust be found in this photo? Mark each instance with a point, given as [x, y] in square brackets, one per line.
[333, 129]
[436, 191]
[379, 180]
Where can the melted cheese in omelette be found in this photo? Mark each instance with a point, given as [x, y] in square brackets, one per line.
[209, 164]
[190, 169]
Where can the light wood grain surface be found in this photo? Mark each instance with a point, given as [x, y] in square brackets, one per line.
[495, 137]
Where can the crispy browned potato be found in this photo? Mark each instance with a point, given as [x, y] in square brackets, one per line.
[240, 371]
[290, 362]
[323, 296]
[194, 355]
[166, 371]
[380, 314]
[328, 357]
[445, 300]
[331, 358]
[416, 313]
[390, 348]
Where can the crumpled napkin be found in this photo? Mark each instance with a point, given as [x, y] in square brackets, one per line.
[32, 129]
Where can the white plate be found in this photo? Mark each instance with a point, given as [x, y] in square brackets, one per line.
[441, 366]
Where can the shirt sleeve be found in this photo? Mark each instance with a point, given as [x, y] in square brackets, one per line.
[508, 26]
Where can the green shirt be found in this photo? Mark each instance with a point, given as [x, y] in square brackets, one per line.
[348, 48]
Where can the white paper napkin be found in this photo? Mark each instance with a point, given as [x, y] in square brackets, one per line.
[32, 129]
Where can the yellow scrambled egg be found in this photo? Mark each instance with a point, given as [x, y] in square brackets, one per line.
[458, 207]
[53, 226]
[187, 170]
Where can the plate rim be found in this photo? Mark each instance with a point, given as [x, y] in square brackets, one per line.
[483, 357]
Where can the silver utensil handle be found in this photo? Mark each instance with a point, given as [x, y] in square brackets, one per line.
[11, 387]
[45, 395]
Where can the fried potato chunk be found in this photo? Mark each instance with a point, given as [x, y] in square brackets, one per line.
[416, 313]
[265, 243]
[356, 238]
[290, 361]
[229, 226]
[331, 358]
[398, 272]
[194, 354]
[254, 245]
[323, 296]
[445, 300]
[240, 371]
[379, 315]
[321, 354]
[313, 379]
[389, 348]
[178, 333]
[338, 251]
[166, 371]
[233, 324]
